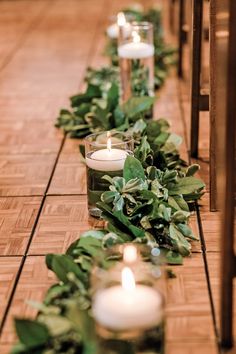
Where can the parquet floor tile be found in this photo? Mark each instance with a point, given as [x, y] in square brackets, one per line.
[51, 63]
[188, 307]
[192, 348]
[8, 270]
[196, 245]
[29, 137]
[62, 220]
[211, 228]
[27, 174]
[213, 260]
[14, 25]
[17, 217]
[34, 281]
[69, 176]
[18, 109]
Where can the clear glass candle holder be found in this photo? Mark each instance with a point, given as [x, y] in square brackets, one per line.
[128, 305]
[105, 154]
[136, 61]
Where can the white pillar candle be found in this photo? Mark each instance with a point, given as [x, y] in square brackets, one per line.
[107, 160]
[129, 306]
[134, 50]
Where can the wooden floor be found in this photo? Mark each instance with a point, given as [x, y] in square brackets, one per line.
[45, 47]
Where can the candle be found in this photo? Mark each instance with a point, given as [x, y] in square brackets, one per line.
[136, 49]
[113, 30]
[107, 159]
[128, 306]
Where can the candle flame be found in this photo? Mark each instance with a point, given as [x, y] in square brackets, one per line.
[127, 279]
[130, 254]
[121, 20]
[109, 141]
[136, 37]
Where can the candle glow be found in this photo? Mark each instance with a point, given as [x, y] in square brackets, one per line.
[130, 254]
[136, 37]
[109, 141]
[121, 20]
[127, 279]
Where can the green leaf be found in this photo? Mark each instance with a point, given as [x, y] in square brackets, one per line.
[98, 234]
[120, 221]
[186, 231]
[161, 138]
[31, 333]
[174, 139]
[137, 105]
[178, 203]
[92, 91]
[178, 240]
[191, 170]
[112, 97]
[187, 185]
[63, 264]
[180, 216]
[57, 325]
[133, 169]
[119, 117]
[174, 258]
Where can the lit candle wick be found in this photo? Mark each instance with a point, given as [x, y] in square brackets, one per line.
[121, 20]
[136, 37]
[127, 279]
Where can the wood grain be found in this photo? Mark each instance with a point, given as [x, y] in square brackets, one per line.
[69, 176]
[211, 228]
[214, 270]
[14, 25]
[22, 175]
[17, 217]
[192, 348]
[33, 284]
[29, 137]
[62, 220]
[8, 271]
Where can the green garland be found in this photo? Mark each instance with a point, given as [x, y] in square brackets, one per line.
[151, 206]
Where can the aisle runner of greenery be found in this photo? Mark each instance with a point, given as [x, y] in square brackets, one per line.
[150, 204]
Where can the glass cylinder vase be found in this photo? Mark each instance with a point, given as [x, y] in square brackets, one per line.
[105, 154]
[128, 306]
[136, 61]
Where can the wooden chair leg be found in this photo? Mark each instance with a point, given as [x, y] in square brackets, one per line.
[213, 103]
[228, 263]
[180, 38]
[171, 15]
[195, 77]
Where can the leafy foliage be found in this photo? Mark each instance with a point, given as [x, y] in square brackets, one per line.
[151, 204]
[97, 110]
